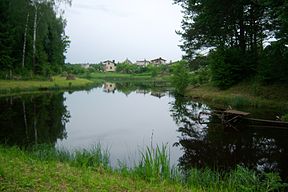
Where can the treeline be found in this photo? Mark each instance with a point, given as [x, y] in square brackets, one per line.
[32, 38]
[247, 39]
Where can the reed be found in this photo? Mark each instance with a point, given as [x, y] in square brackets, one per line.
[154, 164]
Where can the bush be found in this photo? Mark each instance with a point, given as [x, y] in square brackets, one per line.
[200, 76]
[274, 64]
[284, 117]
[231, 66]
[180, 78]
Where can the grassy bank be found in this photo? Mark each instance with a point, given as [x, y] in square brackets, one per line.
[113, 76]
[46, 169]
[274, 96]
[8, 87]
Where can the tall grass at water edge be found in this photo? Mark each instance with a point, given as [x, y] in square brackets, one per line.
[95, 157]
[154, 167]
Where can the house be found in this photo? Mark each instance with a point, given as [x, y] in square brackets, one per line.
[158, 61]
[109, 66]
[85, 66]
[142, 63]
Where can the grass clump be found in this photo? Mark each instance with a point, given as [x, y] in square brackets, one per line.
[94, 157]
[154, 164]
[239, 179]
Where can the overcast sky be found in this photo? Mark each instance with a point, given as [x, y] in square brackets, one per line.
[118, 29]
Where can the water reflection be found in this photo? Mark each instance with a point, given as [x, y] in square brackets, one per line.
[109, 87]
[126, 120]
[211, 145]
[139, 87]
[36, 119]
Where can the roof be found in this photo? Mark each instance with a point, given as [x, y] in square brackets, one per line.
[158, 59]
[108, 61]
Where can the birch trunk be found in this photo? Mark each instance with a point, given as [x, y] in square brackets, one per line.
[35, 34]
[25, 118]
[35, 126]
[25, 39]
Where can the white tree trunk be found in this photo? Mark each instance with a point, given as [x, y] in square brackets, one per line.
[25, 119]
[35, 34]
[24, 43]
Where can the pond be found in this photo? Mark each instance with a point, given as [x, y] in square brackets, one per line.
[125, 120]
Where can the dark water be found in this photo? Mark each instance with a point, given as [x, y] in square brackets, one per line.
[126, 119]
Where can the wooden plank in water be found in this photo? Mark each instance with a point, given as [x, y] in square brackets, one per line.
[235, 112]
[278, 123]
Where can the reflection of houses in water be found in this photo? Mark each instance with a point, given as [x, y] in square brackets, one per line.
[142, 91]
[109, 87]
[158, 94]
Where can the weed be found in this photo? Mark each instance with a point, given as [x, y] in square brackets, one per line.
[284, 117]
[239, 101]
[154, 164]
[94, 157]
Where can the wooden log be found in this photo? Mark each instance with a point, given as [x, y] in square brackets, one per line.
[277, 123]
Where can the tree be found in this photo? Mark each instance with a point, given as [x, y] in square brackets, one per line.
[32, 36]
[236, 30]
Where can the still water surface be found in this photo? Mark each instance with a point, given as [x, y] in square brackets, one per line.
[126, 121]
[123, 123]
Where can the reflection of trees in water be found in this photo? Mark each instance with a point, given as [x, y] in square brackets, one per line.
[217, 148]
[140, 87]
[38, 119]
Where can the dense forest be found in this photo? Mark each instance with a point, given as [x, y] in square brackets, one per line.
[246, 39]
[32, 38]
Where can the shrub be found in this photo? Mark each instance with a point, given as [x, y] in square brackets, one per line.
[274, 64]
[180, 78]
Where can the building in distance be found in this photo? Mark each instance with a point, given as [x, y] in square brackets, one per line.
[109, 66]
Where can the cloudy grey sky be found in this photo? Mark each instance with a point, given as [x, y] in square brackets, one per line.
[120, 29]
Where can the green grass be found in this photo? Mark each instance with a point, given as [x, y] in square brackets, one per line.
[46, 169]
[59, 83]
[23, 171]
[242, 95]
[154, 164]
[113, 76]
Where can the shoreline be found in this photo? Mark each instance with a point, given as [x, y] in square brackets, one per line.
[241, 96]
[16, 87]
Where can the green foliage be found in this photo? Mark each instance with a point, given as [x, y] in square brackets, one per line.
[75, 69]
[51, 41]
[180, 78]
[274, 64]
[200, 76]
[95, 157]
[154, 164]
[240, 179]
[1, 172]
[127, 68]
[198, 62]
[230, 66]
[236, 31]
[198, 178]
[284, 117]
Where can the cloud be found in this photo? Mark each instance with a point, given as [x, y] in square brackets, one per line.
[105, 8]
